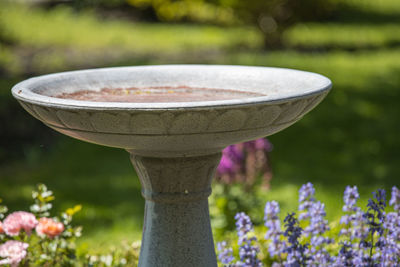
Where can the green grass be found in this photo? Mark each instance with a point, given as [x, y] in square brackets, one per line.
[62, 28]
[350, 138]
[101, 179]
[63, 40]
[342, 35]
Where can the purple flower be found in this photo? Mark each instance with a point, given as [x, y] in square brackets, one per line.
[271, 218]
[360, 227]
[306, 192]
[370, 248]
[346, 255]
[296, 252]
[376, 212]
[247, 251]
[234, 152]
[390, 253]
[318, 225]
[320, 257]
[272, 222]
[395, 200]
[248, 254]
[243, 225]
[371, 238]
[354, 219]
[231, 162]
[244, 163]
[306, 199]
[226, 166]
[350, 198]
[317, 228]
[225, 254]
[261, 144]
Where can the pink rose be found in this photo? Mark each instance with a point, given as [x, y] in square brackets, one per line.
[13, 252]
[18, 220]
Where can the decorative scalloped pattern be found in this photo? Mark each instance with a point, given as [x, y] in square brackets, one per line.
[176, 121]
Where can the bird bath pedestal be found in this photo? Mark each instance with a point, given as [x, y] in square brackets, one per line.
[174, 120]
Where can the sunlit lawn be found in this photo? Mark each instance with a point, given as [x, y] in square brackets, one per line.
[350, 138]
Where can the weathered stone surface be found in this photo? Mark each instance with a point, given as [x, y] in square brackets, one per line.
[177, 229]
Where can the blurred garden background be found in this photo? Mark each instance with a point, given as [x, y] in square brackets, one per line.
[351, 138]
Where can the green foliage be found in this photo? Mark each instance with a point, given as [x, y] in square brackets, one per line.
[43, 199]
[46, 248]
[59, 250]
[229, 199]
[124, 255]
[272, 17]
[3, 209]
[189, 10]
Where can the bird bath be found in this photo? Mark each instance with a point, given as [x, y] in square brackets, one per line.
[174, 120]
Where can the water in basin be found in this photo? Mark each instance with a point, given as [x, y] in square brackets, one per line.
[157, 94]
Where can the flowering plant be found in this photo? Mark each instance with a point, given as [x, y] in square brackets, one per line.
[368, 237]
[243, 168]
[244, 162]
[36, 239]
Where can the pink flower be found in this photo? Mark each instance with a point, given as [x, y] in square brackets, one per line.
[13, 252]
[1, 228]
[49, 227]
[18, 220]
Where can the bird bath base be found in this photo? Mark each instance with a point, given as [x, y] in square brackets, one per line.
[177, 229]
[175, 146]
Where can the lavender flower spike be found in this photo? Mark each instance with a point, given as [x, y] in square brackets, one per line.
[395, 200]
[350, 198]
[271, 219]
[354, 221]
[346, 255]
[224, 253]
[296, 252]
[247, 251]
[243, 226]
[276, 246]
[317, 228]
[306, 199]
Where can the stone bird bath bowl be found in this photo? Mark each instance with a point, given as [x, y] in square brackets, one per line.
[174, 120]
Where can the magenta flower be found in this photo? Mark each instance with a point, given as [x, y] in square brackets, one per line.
[259, 144]
[18, 220]
[244, 162]
[13, 252]
[225, 166]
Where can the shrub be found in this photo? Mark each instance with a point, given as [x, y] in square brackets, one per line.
[36, 239]
[368, 237]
